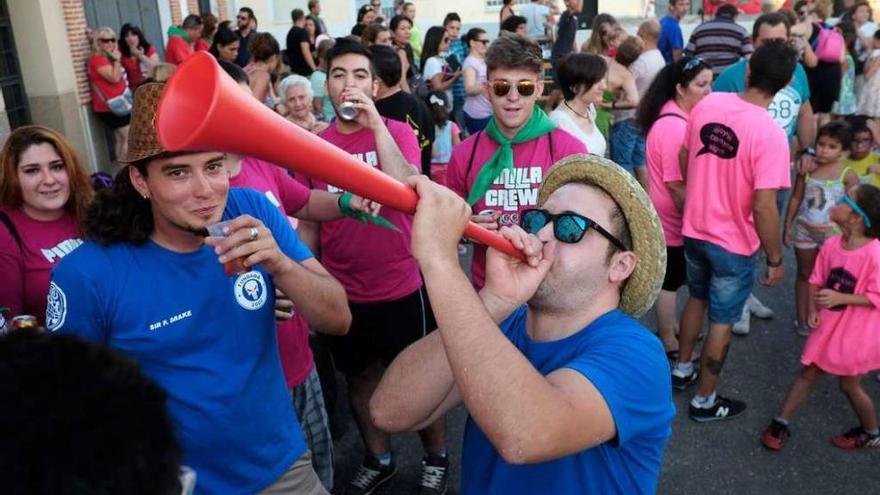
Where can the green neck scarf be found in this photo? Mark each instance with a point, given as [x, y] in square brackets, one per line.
[538, 125]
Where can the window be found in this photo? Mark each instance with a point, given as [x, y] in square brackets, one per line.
[496, 4]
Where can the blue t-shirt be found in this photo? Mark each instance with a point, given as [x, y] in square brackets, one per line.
[626, 364]
[670, 38]
[206, 338]
[786, 105]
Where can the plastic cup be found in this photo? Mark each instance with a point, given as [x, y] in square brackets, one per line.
[232, 267]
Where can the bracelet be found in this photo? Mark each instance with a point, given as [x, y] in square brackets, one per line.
[343, 201]
[774, 264]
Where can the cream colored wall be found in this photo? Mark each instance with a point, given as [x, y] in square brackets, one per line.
[43, 50]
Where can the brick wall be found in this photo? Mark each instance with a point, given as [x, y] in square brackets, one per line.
[223, 13]
[80, 47]
[176, 16]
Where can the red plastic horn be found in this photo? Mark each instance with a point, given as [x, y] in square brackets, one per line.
[202, 108]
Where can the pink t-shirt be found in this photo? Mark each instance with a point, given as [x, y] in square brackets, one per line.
[373, 263]
[734, 149]
[289, 196]
[513, 191]
[661, 149]
[25, 271]
[847, 340]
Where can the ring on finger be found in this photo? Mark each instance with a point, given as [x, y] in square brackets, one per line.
[254, 233]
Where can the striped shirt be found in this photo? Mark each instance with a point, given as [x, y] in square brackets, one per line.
[721, 42]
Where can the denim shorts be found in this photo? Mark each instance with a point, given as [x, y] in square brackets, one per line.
[723, 278]
[627, 145]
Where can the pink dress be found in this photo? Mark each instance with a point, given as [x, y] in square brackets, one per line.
[847, 341]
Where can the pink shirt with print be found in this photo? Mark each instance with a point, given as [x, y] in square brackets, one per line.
[661, 149]
[373, 263]
[289, 196]
[25, 270]
[734, 148]
[513, 191]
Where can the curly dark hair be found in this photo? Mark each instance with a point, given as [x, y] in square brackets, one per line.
[120, 214]
[81, 418]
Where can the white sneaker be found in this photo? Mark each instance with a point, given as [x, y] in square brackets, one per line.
[743, 326]
[758, 309]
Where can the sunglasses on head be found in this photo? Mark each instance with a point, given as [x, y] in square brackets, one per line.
[693, 63]
[524, 87]
[568, 227]
[845, 199]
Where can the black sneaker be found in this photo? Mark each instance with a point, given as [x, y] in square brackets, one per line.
[724, 408]
[435, 475]
[681, 381]
[370, 476]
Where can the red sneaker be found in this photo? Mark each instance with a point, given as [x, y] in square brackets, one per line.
[775, 435]
[856, 438]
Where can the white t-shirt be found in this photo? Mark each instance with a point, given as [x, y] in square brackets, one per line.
[536, 16]
[434, 66]
[595, 141]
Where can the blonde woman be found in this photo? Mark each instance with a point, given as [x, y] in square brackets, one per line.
[107, 80]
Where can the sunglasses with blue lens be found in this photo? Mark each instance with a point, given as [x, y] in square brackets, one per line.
[568, 227]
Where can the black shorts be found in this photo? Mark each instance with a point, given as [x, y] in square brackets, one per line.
[380, 331]
[112, 120]
[676, 268]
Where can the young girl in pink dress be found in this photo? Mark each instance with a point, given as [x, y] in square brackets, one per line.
[844, 314]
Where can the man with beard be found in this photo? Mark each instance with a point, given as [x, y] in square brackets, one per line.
[566, 392]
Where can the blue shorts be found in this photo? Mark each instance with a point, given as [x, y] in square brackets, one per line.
[628, 145]
[723, 278]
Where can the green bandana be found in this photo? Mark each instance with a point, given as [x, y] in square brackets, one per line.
[538, 125]
[344, 202]
[178, 31]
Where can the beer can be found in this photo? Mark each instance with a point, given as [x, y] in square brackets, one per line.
[347, 111]
[22, 322]
[4, 328]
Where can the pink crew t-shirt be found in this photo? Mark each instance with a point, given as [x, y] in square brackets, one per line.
[25, 271]
[661, 149]
[373, 263]
[847, 342]
[734, 148]
[514, 190]
[289, 196]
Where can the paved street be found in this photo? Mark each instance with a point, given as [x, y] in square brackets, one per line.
[724, 457]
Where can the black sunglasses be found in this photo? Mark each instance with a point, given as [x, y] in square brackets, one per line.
[524, 87]
[108, 40]
[568, 227]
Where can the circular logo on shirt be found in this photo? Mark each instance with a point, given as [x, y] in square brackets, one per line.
[250, 290]
[56, 307]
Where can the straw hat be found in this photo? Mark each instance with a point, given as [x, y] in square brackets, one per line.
[649, 244]
[142, 140]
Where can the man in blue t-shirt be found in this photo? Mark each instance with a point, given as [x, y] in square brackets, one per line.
[567, 393]
[790, 109]
[671, 41]
[198, 314]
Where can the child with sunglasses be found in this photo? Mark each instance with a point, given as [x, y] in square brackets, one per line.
[844, 315]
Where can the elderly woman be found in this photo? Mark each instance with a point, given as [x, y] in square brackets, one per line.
[106, 77]
[296, 93]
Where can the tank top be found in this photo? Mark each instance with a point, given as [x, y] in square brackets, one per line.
[442, 144]
[819, 196]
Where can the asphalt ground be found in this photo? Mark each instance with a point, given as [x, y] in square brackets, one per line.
[724, 457]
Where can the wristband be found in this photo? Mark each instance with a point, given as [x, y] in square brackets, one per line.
[774, 264]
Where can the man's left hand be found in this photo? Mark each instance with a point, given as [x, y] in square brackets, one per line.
[440, 219]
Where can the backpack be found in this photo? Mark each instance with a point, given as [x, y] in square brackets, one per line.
[828, 45]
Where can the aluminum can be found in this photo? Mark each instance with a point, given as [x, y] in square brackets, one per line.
[347, 111]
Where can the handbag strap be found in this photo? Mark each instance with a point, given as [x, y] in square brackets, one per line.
[5, 220]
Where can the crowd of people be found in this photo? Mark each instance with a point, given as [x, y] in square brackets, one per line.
[225, 293]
